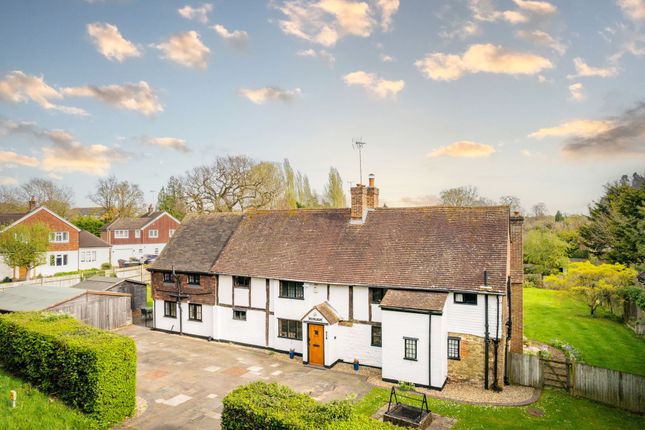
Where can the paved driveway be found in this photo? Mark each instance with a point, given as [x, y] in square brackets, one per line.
[183, 379]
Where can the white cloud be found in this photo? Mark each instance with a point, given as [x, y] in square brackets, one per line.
[168, 142]
[236, 38]
[540, 37]
[633, 9]
[324, 55]
[196, 13]
[375, 85]
[461, 31]
[138, 97]
[186, 49]
[584, 70]
[8, 180]
[575, 128]
[577, 92]
[483, 10]
[463, 149]
[326, 21]
[17, 87]
[479, 58]
[262, 95]
[12, 159]
[542, 7]
[388, 8]
[110, 43]
[386, 58]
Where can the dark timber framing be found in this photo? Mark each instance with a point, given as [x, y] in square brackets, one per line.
[266, 312]
[351, 303]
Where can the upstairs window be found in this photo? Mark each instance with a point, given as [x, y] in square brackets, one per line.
[121, 234]
[410, 348]
[167, 277]
[241, 281]
[193, 279]
[153, 234]
[59, 237]
[376, 295]
[466, 298]
[292, 290]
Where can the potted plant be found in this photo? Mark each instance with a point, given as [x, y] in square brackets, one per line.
[356, 364]
[292, 353]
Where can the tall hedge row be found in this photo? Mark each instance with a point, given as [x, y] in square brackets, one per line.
[272, 406]
[88, 368]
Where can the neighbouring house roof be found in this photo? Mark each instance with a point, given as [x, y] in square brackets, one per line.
[94, 211]
[430, 301]
[133, 223]
[197, 243]
[10, 218]
[35, 298]
[88, 240]
[13, 219]
[103, 283]
[443, 248]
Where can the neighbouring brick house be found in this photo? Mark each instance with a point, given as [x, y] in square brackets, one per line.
[136, 237]
[70, 248]
[421, 293]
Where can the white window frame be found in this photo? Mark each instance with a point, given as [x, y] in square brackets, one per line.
[155, 235]
[171, 232]
[58, 258]
[137, 234]
[59, 237]
[121, 234]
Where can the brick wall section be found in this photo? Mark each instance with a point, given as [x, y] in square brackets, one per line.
[359, 201]
[372, 197]
[517, 278]
[54, 225]
[205, 293]
[163, 225]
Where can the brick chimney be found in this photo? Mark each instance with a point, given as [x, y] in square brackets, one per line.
[359, 204]
[32, 203]
[517, 278]
[372, 193]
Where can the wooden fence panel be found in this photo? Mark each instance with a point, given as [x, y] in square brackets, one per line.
[526, 370]
[612, 387]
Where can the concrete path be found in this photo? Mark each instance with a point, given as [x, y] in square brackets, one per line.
[182, 380]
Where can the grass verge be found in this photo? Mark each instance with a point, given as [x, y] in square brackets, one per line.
[602, 341]
[561, 411]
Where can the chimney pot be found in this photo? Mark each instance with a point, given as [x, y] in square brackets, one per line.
[32, 203]
[371, 180]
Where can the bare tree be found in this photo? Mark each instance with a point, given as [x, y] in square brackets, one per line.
[119, 199]
[513, 202]
[463, 196]
[9, 201]
[58, 198]
[539, 210]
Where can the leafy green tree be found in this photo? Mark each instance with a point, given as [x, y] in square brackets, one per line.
[90, 223]
[545, 251]
[616, 231]
[24, 246]
[559, 217]
[172, 198]
[598, 285]
[334, 193]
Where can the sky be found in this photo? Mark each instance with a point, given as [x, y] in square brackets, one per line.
[541, 100]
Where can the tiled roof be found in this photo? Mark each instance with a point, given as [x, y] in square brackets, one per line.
[9, 218]
[197, 242]
[432, 301]
[88, 240]
[327, 311]
[444, 248]
[132, 223]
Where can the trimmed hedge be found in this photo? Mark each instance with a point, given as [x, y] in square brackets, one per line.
[272, 406]
[88, 368]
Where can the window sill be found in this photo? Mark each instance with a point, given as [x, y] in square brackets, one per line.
[410, 359]
[455, 359]
[377, 346]
[193, 320]
[170, 316]
[239, 319]
[290, 338]
[291, 298]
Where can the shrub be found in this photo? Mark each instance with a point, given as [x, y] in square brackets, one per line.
[272, 406]
[106, 266]
[88, 368]
[569, 351]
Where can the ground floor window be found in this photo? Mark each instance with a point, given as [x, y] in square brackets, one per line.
[88, 256]
[194, 312]
[453, 348]
[291, 329]
[58, 260]
[239, 315]
[170, 309]
[410, 348]
[376, 335]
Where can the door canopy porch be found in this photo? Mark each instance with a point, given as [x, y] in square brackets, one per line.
[322, 313]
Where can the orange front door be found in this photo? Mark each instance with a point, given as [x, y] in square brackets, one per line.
[316, 345]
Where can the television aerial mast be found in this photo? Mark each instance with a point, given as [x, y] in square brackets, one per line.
[359, 144]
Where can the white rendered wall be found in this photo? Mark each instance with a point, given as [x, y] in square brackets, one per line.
[469, 319]
[396, 326]
[5, 271]
[241, 296]
[355, 342]
[376, 312]
[339, 298]
[250, 332]
[258, 293]
[361, 303]
[225, 289]
[196, 328]
[439, 351]
[47, 270]
[136, 250]
[102, 256]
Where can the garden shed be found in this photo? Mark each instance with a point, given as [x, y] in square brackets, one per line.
[136, 289]
[103, 309]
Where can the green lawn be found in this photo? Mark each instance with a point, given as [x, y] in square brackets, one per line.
[550, 314]
[34, 410]
[561, 411]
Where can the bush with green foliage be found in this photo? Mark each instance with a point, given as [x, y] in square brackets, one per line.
[90, 224]
[272, 406]
[88, 368]
[545, 251]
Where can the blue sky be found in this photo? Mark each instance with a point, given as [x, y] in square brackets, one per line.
[543, 100]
